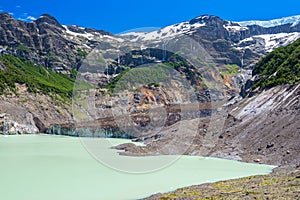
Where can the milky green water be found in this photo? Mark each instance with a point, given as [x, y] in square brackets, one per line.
[40, 167]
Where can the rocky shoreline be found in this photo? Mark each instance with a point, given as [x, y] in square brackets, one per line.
[283, 183]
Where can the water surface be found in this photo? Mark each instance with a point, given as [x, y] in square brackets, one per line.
[45, 167]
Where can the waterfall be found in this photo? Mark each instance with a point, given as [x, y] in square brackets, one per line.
[242, 60]
[107, 75]
[119, 60]
[142, 60]
[164, 50]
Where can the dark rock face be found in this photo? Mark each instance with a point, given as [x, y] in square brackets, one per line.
[246, 90]
[35, 40]
[43, 41]
[48, 20]
[39, 124]
[213, 30]
[285, 28]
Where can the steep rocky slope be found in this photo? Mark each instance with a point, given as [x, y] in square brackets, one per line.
[263, 127]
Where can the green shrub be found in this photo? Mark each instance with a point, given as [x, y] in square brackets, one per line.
[131, 79]
[229, 70]
[81, 53]
[282, 66]
[37, 78]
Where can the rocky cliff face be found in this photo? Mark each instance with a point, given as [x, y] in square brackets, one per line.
[29, 113]
[16, 120]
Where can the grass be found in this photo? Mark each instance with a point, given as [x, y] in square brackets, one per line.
[132, 79]
[229, 70]
[282, 185]
[23, 48]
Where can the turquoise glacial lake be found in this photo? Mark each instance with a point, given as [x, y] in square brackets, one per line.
[44, 167]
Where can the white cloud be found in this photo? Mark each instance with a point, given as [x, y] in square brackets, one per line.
[25, 14]
[11, 13]
[18, 6]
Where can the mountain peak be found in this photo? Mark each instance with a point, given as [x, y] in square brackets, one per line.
[46, 18]
[205, 18]
[5, 15]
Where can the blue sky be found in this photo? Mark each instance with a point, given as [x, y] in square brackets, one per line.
[118, 16]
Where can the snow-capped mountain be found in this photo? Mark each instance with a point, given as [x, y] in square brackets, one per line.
[293, 20]
[227, 42]
[240, 43]
[198, 22]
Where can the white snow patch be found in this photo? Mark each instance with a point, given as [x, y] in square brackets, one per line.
[273, 41]
[113, 38]
[85, 35]
[203, 17]
[135, 34]
[234, 27]
[166, 32]
[31, 18]
[269, 41]
[294, 20]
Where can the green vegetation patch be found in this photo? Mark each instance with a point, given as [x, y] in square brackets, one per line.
[283, 185]
[282, 66]
[131, 79]
[24, 48]
[37, 78]
[81, 53]
[229, 70]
